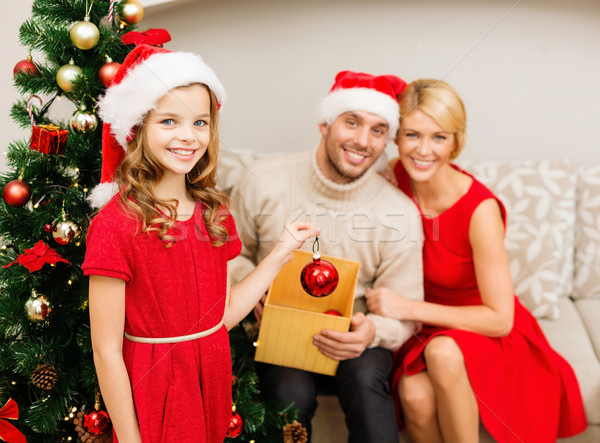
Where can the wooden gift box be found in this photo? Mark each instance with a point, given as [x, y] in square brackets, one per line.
[291, 317]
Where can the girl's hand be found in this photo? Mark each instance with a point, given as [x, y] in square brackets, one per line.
[292, 237]
[385, 302]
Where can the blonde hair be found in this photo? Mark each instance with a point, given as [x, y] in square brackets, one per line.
[139, 172]
[441, 102]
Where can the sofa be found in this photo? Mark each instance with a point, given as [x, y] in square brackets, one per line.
[553, 243]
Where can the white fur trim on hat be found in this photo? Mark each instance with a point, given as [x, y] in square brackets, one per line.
[101, 194]
[125, 104]
[361, 99]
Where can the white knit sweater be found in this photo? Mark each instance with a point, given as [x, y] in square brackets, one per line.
[367, 220]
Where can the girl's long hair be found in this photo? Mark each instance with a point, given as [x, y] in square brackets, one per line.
[139, 172]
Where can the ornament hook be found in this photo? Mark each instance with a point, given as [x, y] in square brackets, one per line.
[315, 248]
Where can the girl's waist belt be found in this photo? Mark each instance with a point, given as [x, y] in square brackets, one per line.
[179, 339]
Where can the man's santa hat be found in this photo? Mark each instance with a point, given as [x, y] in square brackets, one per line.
[358, 91]
[146, 75]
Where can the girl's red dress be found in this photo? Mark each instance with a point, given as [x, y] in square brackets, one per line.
[181, 391]
[526, 392]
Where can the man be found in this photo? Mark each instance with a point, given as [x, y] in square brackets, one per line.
[363, 218]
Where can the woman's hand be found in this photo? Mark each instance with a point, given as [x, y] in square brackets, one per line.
[388, 174]
[385, 302]
[385, 168]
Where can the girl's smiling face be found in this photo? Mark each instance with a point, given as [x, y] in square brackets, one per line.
[178, 130]
[424, 146]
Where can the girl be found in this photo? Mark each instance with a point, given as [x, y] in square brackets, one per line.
[480, 354]
[157, 254]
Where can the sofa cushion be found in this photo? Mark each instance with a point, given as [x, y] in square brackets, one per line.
[587, 236]
[570, 338]
[589, 311]
[539, 197]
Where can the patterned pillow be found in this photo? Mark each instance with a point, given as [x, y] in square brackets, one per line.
[587, 236]
[231, 165]
[539, 197]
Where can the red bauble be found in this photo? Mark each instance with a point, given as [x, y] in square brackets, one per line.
[96, 422]
[319, 278]
[48, 227]
[107, 72]
[333, 312]
[235, 425]
[17, 193]
[26, 66]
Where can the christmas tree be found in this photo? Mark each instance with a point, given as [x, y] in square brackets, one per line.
[46, 366]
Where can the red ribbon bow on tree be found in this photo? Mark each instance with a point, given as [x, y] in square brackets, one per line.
[155, 37]
[33, 259]
[8, 433]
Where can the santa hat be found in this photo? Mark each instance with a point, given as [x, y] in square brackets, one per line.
[146, 75]
[358, 91]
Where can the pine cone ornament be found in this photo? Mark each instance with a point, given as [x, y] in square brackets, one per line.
[85, 436]
[294, 433]
[44, 377]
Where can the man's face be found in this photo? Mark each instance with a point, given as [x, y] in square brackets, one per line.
[351, 145]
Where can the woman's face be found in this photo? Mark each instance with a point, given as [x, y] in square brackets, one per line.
[424, 146]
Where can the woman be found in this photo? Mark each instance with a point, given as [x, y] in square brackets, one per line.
[480, 353]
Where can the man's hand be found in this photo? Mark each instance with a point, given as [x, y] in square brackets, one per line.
[258, 309]
[346, 345]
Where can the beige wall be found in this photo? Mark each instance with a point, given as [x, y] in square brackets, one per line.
[529, 70]
[12, 53]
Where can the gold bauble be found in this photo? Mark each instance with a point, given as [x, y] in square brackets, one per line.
[64, 231]
[37, 307]
[131, 12]
[85, 34]
[66, 75]
[83, 121]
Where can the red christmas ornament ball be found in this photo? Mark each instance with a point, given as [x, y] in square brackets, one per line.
[319, 278]
[17, 193]
[96, 422]
[48, 227]
[333, 312]
[235, 425]
[107, 72]
[26, 66]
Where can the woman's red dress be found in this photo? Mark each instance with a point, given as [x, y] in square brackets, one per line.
[526, 392]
